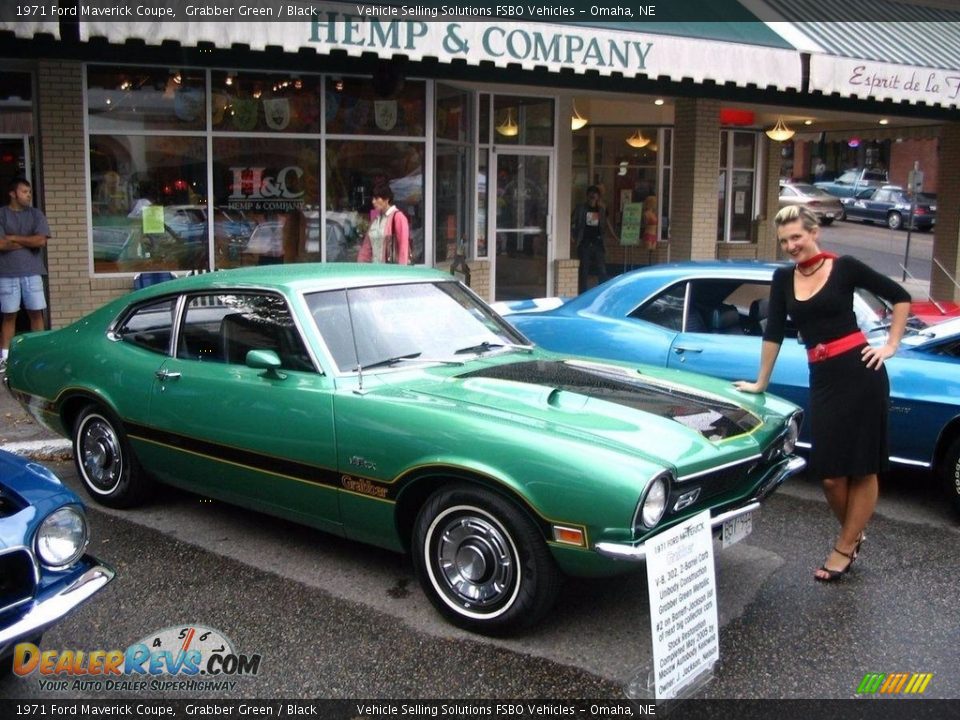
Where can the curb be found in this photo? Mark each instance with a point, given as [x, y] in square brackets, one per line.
[60, 449]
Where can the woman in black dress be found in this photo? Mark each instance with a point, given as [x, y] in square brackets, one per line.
[849, 389]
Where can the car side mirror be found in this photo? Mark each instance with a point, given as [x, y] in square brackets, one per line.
[266, 360]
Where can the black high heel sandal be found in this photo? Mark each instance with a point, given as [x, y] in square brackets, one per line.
[833, 575]
[860, 538]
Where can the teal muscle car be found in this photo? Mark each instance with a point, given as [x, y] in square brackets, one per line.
[392, 406]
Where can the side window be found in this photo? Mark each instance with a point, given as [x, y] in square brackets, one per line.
[751, 302]
[224, 327]
[332, 317]
[150, 326]
[665, 310]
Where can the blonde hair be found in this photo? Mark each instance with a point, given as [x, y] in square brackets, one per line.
[792, 213]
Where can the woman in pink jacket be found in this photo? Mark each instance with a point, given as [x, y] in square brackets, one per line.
[388, 237]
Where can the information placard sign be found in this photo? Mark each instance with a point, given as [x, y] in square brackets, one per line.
[631, 224]
[681, 578]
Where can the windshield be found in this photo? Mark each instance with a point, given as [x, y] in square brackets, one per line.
[387, 324]
[873, 313]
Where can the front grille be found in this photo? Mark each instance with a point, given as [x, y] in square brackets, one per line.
[718, 482]
[18, 581]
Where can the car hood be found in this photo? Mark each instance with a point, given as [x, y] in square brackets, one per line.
[596, 402]
[28, 493]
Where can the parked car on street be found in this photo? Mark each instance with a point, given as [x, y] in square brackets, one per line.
[824, 205]
[853, 181]
[390, 405]
[891, 205]
[44, 571]
[708, 317]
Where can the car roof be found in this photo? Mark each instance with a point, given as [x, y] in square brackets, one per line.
[297, 277]
[617, 296]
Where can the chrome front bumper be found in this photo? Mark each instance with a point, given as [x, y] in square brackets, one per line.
[638, 553]
[48, 610]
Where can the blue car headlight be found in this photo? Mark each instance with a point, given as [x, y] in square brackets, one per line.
[61, 538]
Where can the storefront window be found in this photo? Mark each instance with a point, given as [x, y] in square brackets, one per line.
[372, 106]
[266, 202]
[736, 185]
[523, 121]
[121, 99]
[454, 167]
[353, 168]
[148, 200]
[260, 102]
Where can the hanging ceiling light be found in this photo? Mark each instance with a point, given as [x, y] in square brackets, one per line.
[637, 140]
[508, 128]
[780, 132]
[577, 121]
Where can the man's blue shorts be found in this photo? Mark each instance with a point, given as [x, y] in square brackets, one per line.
[26, 290]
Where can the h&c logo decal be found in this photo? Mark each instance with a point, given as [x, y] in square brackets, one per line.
[894, 683]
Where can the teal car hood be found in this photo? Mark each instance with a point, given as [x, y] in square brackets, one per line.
[602, 403]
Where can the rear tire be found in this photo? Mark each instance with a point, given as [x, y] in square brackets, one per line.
[482, 562]
[894, 221]
[950, 473]
[105, 462]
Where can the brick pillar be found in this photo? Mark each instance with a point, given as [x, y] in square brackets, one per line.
[693, 220]
[566, 277]
[946, 237]
[767, 246]
[60, 112]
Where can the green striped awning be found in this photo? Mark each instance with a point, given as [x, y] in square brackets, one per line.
[879, 49]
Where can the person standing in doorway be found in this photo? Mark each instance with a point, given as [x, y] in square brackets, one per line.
[590, 221]
[23, 235]
[849, 388]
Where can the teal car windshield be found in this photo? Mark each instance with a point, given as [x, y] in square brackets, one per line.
[373, 326]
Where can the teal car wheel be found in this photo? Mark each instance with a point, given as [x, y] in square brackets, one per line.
[482, 562]
[105, 463]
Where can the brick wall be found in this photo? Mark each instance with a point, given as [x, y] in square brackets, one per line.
[566, 277]
[947, 234]
[902, 156]
[693, 221]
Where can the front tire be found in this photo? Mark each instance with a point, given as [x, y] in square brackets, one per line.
[105, 462]
[482, 562]
[894, 221]
[950, 473]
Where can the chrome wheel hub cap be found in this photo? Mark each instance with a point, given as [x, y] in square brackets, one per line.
[474, 560]
[100, 455]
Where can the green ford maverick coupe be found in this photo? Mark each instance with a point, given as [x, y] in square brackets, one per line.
[392, 406]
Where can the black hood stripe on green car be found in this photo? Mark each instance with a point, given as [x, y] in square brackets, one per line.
[713, 417]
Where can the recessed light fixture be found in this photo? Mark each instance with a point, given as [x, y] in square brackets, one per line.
[808, 122]
[658, 101]
[884, 121]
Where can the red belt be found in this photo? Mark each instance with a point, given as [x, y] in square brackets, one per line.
[824, 351]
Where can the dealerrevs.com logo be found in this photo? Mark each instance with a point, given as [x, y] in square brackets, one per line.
[894, 683]
[185, 657]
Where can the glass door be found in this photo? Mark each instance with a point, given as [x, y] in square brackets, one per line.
[14, 159]
[522, 224]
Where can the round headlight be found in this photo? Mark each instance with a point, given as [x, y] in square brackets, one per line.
[62, 538]
[790, 438]
[654, 502]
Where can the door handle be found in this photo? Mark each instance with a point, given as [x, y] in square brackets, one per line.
[681, 349]
[164, 374]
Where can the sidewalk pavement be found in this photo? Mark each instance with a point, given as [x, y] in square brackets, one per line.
[22, 435]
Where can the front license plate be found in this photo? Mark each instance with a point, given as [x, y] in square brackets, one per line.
[736, 530]
[829, 215]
